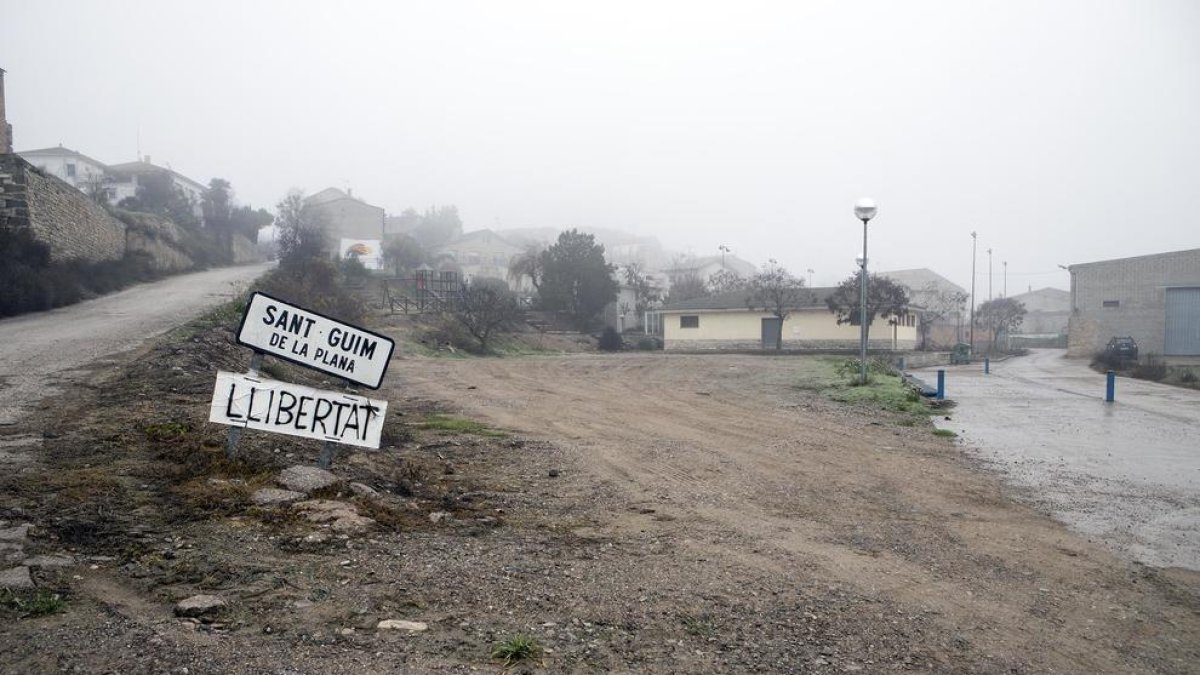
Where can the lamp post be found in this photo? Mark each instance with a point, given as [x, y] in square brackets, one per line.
[864, 209]
[971, 325]
[810, 273]
[1004, 293]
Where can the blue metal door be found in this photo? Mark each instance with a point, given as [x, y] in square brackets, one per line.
[1183, 322]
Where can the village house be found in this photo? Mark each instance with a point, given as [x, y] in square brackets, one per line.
[725, 321]
[352, 224]
[482, 254]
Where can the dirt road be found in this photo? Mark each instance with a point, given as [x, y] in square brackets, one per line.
[1126, 473]
[37, 350]
[724, 457]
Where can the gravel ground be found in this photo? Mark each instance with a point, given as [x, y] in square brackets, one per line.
[641, 513]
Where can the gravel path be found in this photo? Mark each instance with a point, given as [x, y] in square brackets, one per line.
[39, 350]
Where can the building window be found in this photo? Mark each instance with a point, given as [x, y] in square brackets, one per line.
[70, 170]
[1112, 303]
[692, 321]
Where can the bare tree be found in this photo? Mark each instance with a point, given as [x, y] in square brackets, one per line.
[999, 316]
[776, 291]
[725, 281]
[686, 287]
[529, 263]
[486, 306]
[645, 294]
[939, 305]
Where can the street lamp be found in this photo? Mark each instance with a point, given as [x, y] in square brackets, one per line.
[864, 210]
[971, 325]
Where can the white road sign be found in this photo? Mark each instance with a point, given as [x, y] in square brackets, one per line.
[296, 410]
[315, 340]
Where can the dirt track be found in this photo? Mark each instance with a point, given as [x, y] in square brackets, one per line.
[722, 454]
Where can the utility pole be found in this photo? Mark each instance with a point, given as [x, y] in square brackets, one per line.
[989, 275]
[971, 325]
[810, 273]
[1005, 294]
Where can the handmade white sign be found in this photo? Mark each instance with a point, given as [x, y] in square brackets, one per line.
[315, 341]
[258, 403]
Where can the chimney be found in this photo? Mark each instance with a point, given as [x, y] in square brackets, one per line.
[6, 146]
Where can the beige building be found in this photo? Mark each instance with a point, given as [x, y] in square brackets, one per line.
[344, 216]
[482, 253]
[725, 322]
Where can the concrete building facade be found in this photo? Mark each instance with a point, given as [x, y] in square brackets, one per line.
[345, 216]
[1155, 299]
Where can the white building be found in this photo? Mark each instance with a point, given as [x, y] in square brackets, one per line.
[70, 166]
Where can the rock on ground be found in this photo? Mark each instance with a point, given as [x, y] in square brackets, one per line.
[400, 624]
[272, 496]
[306, 478]
[342, 517]
[15, 578]
[199, 605]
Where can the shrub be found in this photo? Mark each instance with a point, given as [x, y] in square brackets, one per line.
[649, 343]
[610, 340]
[316, 284]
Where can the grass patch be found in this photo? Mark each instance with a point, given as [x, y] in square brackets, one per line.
[448, 424]
[944, 433]
[694, 625]
[516, 649]
[31, 603]
[165, 431]
[885, 392]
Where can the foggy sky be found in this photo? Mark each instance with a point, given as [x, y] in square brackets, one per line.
[1062, 132]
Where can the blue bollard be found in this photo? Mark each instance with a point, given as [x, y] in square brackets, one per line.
[941, 394]
[987, 366]
[1111, 394]
[901, 363]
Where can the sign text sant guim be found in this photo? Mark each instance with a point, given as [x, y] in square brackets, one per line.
[315, 341]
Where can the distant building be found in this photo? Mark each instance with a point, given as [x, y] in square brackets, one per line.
[1047, 312]
[124, 180]
[345, 216]
[481, 253]
[706, 267]
[928, 289]
[1155, 299]
[70, 166]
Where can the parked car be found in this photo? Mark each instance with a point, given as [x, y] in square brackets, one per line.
[1122, 349]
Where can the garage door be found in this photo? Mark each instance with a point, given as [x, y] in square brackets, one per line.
[1183, 322]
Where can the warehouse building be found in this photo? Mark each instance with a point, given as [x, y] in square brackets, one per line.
[1155, 299]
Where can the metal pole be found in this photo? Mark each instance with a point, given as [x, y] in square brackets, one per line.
[971, 326]
[989, 275]
[1110, 393]
[235, 433]
[987, 366]
[1005, 293]
[862, 308]
[941, 390]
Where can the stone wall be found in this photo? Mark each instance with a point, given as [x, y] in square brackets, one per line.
[243, 250]
[158, 238]
[72, 225]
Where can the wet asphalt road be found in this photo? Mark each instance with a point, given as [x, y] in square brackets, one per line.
[1125, 473]
[38, 350]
